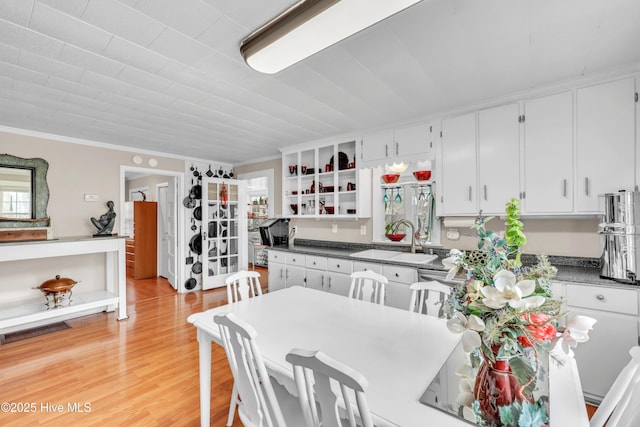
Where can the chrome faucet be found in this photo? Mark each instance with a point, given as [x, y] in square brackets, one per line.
[395, 224]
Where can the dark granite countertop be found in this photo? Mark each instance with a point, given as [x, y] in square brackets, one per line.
[570, 269]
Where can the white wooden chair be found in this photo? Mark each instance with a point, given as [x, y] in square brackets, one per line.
[428, 297]
[314, 373]
[620, 404]
[240, 286]
[264, 402]
[368, 286]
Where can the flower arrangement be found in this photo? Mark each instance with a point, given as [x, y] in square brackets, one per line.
[507, 318]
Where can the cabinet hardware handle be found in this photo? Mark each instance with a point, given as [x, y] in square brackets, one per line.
[485, 192]
[397, 275]
[564, 188]
[329, 285]
[322, 282]
[397, 148]
[600, 297]
[586, 186]
[386, 150]
[314, 263]
[469, 193]
[286, 276]
[338, 265]
[281, 271]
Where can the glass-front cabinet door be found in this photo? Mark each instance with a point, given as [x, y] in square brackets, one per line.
[224, 234]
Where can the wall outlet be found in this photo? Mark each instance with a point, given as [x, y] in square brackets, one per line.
[334, 228]
[453, 234]
[363, 230]
[90, 197]
[294, 229]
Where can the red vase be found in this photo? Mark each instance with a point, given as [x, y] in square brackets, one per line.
[496, 386]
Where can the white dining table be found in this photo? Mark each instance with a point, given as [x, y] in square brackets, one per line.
[399, 352]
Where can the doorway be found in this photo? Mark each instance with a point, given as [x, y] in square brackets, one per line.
[164, 189]
[260, 201]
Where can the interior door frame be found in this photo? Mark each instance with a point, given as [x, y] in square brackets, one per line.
[179, 175]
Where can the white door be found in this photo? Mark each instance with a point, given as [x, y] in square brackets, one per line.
[163, 226]
[459, 165]
[498, 157]
[172, 231]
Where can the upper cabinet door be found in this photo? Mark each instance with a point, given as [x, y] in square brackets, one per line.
[378, 146]
[548, 154]
[411, 140]
[604, 141]
[459, 165]
[498, 157]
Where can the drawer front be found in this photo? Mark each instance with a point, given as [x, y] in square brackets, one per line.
[316, 262]
[340, 265]
[367, 266]
[400, 274]
[296, 259]
[275, 256]
[607, 299]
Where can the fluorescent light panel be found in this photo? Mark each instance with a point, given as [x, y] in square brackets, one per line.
[311, 26]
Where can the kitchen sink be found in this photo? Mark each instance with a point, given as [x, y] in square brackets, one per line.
[382, 254]
[414, 258]
[375, 254]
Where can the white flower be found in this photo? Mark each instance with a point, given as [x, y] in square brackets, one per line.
[576, 332]
[469, 328]
[467, 382]
[451, 263]
[505, 291]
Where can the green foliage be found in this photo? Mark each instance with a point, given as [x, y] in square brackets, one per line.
[532, 415]
[514, 235]
[524, 372]
[509, 414]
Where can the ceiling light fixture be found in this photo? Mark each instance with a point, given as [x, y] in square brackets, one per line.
[310, 26]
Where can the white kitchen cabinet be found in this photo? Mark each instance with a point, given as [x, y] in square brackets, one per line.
[407, 143]
[400, 278]
[605, 141]
[459, 196]
[285, 270]
[601, 358]
[323, 182]
[498, 157]
[339, 275]
[548, 154]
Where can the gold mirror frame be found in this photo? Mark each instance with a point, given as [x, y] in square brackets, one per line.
[39, 217]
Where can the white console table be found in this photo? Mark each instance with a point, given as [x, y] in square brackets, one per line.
[114, 294]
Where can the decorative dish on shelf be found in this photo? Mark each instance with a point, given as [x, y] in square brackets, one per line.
[390, 178]
[422, 175]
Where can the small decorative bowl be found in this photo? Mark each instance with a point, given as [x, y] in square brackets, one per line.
[422, 175]
[391, 178]
[396, 237]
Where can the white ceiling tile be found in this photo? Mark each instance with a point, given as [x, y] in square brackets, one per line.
[68, 29]
[190, 17]
[16, 11]
[9, 53]
[123, 21]
[134, 55]
[225, 36]
[135, 77]
[67, 86]
[106, 84]
[19, 73]
[70, 7]
[179, 47]
[89, 60]
[49, 66]
[24, 38]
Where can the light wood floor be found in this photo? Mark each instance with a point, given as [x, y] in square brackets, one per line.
[139, 372]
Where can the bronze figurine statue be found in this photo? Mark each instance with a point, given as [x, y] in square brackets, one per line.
[106, 222]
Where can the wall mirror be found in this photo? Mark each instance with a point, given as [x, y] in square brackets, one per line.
[24, 193]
